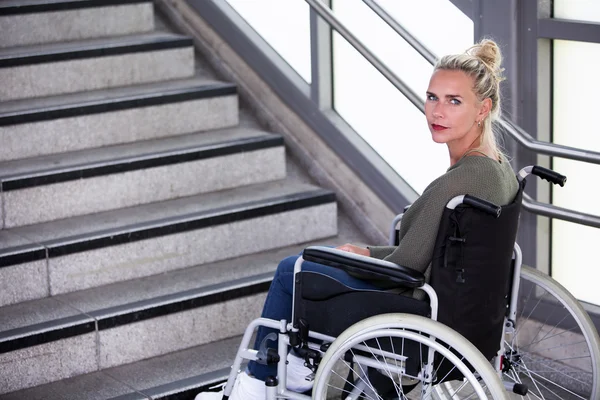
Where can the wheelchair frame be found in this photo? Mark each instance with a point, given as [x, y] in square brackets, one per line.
[279, 391]
[276, 389]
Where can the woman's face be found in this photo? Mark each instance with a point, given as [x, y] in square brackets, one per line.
[452, 108]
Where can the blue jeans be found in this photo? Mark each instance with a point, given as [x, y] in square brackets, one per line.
[278, 304]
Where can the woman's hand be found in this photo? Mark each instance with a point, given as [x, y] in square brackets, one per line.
[354, 249]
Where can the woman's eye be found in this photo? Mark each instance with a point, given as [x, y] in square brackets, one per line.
[431, 97]
[455, 102]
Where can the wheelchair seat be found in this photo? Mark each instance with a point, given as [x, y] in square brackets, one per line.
[329, 307]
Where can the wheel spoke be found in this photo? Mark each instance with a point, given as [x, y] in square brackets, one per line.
[364, 373]
[458, 390]
[397, 367]
[517, 379]
[555, 326]
[448, 373]
[342, 390]
[559, 347]
[550, 369]
[460, 387]
[548, 389]
[389, 373]
[570, 330]
[553, 348]
[535, 383]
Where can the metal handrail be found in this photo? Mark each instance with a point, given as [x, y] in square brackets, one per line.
[550, 149]
[517, 133]
[410, 39]
[565, 214]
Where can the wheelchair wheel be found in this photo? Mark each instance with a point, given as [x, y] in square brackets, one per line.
[554, 349]
[397, 347]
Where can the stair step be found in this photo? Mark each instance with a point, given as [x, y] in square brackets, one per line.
[51, 69]
[169, 285]
[127, 333]
[43, 320]
[41, 189]
[112, 116]
[136, 320]
[103, 248]
[182, 373]
[27, 22]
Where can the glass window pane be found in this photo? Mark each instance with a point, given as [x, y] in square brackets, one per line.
[384, 118]
[582, 10]
[445, 31]
[573, 255]
[387, 121]
[574, 259]
[285, 25]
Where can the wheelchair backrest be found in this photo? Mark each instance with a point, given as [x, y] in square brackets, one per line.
[471, 271]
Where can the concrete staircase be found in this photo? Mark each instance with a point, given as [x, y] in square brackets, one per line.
[143, 209]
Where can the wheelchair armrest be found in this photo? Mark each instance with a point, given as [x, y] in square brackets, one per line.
[352, 262]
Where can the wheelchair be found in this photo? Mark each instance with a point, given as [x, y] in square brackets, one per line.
[499, 332]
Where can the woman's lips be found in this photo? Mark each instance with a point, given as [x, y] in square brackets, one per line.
[438, 127]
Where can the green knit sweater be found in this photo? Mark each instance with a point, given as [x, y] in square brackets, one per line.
[475, 175]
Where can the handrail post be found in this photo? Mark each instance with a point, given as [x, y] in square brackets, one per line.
[321, 60]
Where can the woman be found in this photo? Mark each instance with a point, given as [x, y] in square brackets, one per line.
[463, 100]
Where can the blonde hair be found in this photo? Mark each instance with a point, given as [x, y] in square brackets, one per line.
[482, 63]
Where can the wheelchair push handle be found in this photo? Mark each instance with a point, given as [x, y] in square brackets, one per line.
[549, 175]
[544, 173]
[482, 205]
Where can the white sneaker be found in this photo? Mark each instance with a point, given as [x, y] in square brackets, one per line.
[299, 378]
[245, 388]
[209, 396]
[248, 388]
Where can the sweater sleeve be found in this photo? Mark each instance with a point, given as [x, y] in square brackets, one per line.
[381, 252]
[418, 240]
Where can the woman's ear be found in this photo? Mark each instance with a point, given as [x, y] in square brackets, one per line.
[484, 108]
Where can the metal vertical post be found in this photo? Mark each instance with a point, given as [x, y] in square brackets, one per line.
[528, 84]
[321, 51]
[513, 24]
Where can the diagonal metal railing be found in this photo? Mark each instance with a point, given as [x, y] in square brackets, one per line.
[515, 132]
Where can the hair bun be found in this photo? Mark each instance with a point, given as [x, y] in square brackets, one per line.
[489, 53]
